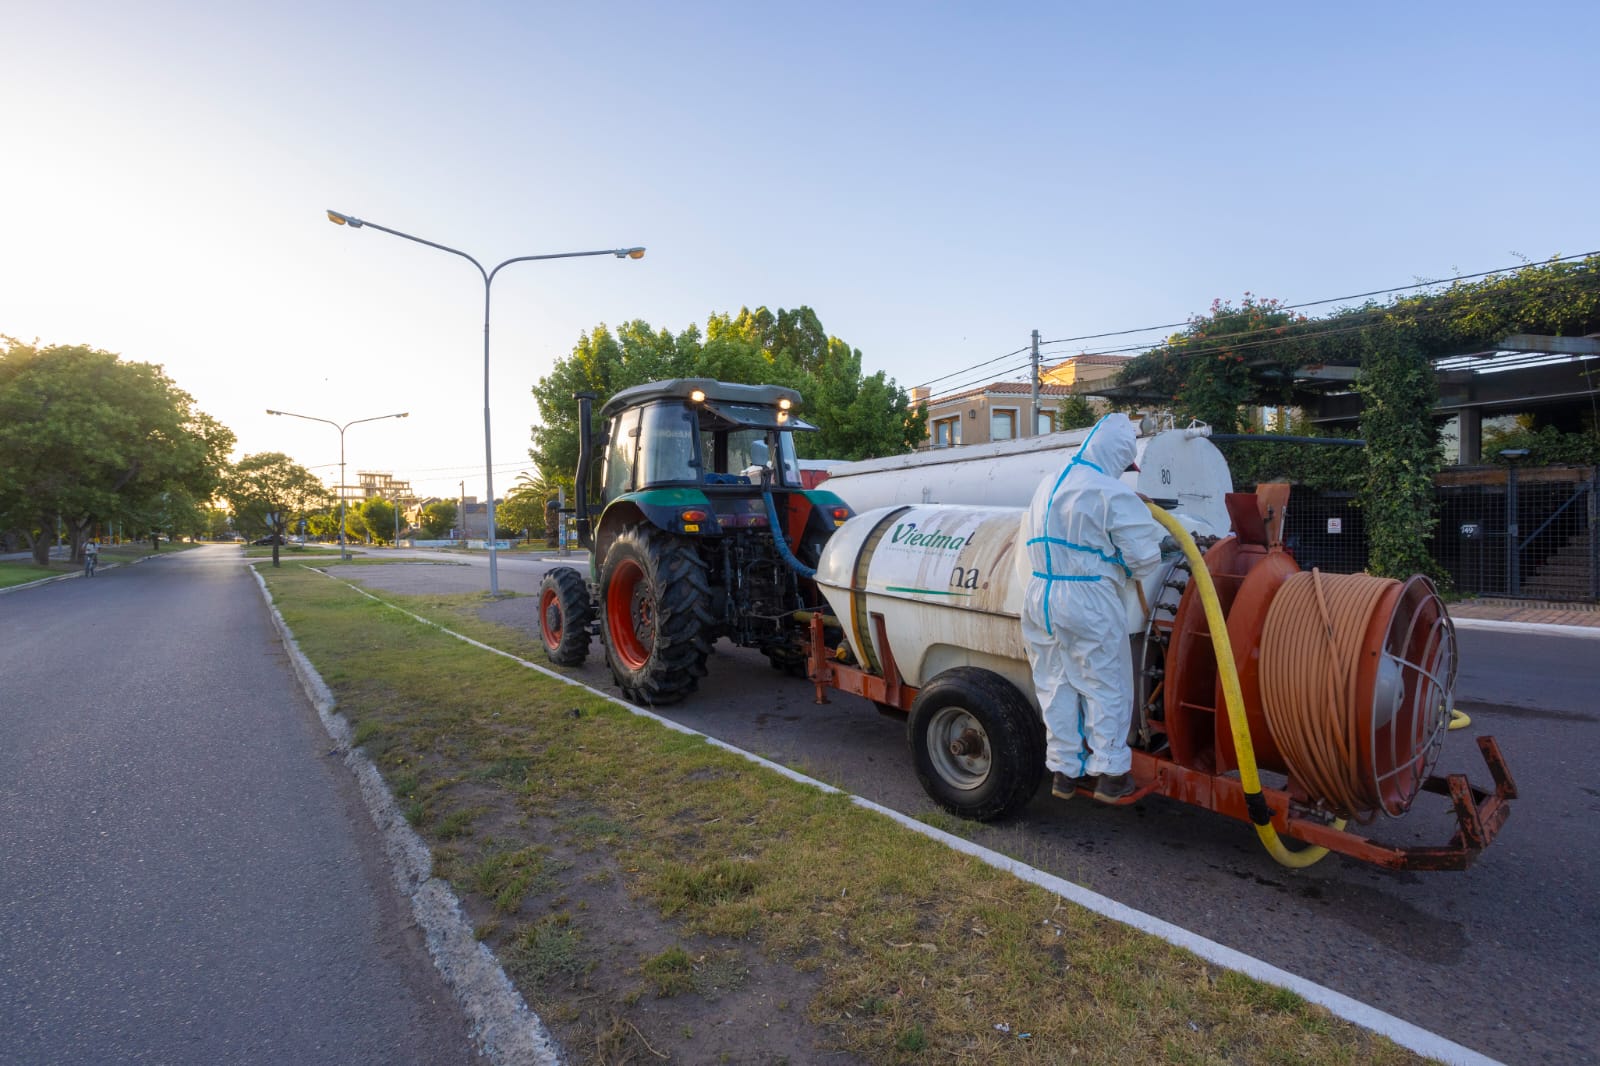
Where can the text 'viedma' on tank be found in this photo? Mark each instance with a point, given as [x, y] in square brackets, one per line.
[691, 503]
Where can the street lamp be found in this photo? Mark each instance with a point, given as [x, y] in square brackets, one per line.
[1512, 456]
[339, 219]
[341, 429]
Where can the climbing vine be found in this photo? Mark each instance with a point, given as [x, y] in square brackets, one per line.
[1398, 390]
[1249, 355]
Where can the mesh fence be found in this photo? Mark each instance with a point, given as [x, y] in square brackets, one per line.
[1540, 542]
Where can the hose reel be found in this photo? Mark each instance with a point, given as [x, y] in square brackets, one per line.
[1356, 678]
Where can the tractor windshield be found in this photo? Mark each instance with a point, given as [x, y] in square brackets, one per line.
[749, 452]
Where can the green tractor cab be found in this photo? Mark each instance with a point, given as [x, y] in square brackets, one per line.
[691, 505]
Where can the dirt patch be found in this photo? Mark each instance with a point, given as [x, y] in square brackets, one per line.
[614, 981]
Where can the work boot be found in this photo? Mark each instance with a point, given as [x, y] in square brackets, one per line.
[1064, 787]
[1113, 787]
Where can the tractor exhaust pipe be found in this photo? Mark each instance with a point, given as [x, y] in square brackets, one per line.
[585, 457]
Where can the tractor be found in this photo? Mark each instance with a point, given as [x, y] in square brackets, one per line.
[690, 503]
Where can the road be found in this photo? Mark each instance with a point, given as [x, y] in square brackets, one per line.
[187, 876]
[1501, 957]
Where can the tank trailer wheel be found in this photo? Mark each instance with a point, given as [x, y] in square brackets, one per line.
[655, 615]
[976, 743]
[564, 616]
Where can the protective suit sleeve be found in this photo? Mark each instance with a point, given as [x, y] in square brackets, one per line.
[1135, 532]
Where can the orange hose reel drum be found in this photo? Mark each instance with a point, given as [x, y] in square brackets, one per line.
[1356, 679]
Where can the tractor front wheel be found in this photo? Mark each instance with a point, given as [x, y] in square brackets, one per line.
[655, 615]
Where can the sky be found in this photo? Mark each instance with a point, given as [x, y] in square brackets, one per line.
[934, 180]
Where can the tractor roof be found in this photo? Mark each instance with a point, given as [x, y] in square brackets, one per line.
[715, 392]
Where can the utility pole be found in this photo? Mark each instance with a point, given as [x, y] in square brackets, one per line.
[1033, 407]
[463, 514]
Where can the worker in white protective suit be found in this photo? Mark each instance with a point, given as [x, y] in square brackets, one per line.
[1085, 535]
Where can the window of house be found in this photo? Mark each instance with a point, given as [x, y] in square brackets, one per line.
[1046, 423]
[947, 432]
[1003, 424]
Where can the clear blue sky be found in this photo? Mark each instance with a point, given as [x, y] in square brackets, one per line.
[935, 180]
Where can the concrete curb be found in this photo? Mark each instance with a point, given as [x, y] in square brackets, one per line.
[1402, 1032]
[1547, 629]
[503, 1028]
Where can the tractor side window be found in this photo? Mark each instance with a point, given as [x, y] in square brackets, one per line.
[667, 439]
[788, 462]
[621, 453]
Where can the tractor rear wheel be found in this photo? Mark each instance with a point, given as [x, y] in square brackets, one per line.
[655, 615]
[564, 616]
[977, 743]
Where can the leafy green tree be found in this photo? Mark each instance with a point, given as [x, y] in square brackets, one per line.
[859, 415]
[1546, 445]
[1075, 412]
[355, 525]
[216, 523]
[438, 519]
[269, 493]
[86, 437]
[378, 515]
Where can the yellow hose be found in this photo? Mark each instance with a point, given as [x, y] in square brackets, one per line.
[1233, 697]
[1459, 719]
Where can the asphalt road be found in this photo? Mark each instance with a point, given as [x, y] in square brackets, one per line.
[187, 876]
[1502, 957]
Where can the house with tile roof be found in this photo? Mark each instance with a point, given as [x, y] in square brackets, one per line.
[999, 410]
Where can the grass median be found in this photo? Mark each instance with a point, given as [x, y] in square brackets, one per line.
[655, 897]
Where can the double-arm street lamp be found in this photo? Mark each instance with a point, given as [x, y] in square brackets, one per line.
[339, 219]
[341, 429]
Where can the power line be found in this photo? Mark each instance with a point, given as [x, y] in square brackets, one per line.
[1285, 307]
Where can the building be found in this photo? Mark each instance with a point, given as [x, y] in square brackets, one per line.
[384, 486]
[999, 410]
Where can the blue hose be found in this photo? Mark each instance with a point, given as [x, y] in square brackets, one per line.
[782, 542]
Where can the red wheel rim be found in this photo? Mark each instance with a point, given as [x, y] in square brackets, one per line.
[630, 614]
[550, 618]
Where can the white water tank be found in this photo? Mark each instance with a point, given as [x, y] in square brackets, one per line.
[944, 580]
[1178, 468]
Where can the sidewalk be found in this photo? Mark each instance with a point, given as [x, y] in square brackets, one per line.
[1516, 614]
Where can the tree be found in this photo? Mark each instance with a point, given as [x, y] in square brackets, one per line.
[1075, 412]
[438, 519]
[858, 416]
[86, 437]
[269, 492]
[379, 516]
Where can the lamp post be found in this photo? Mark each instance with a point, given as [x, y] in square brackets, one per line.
[1512, 456]
[340, 219]
[341, 429]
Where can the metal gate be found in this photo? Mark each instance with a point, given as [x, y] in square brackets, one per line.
[1534, 533]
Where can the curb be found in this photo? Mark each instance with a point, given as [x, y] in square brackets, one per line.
[1407, 1034]
[1548, 629]
[501, 1025]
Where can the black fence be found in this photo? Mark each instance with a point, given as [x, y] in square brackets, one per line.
[1502, 531]
[1524, 533]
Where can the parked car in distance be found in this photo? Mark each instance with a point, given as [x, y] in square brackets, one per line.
[269, 539]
